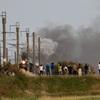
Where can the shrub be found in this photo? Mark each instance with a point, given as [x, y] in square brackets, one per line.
[11, 68]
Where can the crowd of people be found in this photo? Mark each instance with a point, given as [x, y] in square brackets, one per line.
[74, 69]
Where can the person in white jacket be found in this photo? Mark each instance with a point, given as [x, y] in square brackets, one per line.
[41, 69]
[99, 67]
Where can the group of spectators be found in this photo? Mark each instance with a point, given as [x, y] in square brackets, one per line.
[74, 69]
[49, 69]
[81, 70]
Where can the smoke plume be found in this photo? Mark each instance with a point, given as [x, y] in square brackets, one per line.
[47, 46]
[82, 45]
[23, 55]
[65, 43]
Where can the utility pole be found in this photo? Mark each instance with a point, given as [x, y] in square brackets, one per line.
[4, 37]
[17, 31]
[27, 34]
[6, 55]
[34, 51]
[0, 54]
[15, 57]
[39, 54]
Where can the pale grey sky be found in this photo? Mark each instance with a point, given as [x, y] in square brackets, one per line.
[39, 13]
[35, 14]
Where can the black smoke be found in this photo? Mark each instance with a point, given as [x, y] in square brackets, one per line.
[24, 55]
[82, 45]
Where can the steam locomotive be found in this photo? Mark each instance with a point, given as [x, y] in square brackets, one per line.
[24, 65]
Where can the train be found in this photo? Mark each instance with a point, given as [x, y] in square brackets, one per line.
[24, 65]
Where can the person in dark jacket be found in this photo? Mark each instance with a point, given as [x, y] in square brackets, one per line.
[47, 69]
[79, 66]
[52, 68]
[86, 68]
[74, 69]
[70, 69]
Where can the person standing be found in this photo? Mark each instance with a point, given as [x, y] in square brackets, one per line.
[86, 68]
[89, 72]
[75, 69]
[59, 69]
[70, 69]
[47, 69]
[41, 69]
[65, 70]
[99, 67]
[52, 68]
[80, 70]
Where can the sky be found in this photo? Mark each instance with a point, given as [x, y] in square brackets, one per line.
[35, 14]
[38, 14]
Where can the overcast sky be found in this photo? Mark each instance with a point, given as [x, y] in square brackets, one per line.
[36, 14]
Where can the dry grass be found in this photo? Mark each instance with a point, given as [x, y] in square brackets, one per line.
[71, 98]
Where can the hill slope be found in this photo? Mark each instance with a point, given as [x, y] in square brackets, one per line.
[24, 86]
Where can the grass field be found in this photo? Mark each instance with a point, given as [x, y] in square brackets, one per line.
[58, 98]
[72, 98]
[21, 87]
